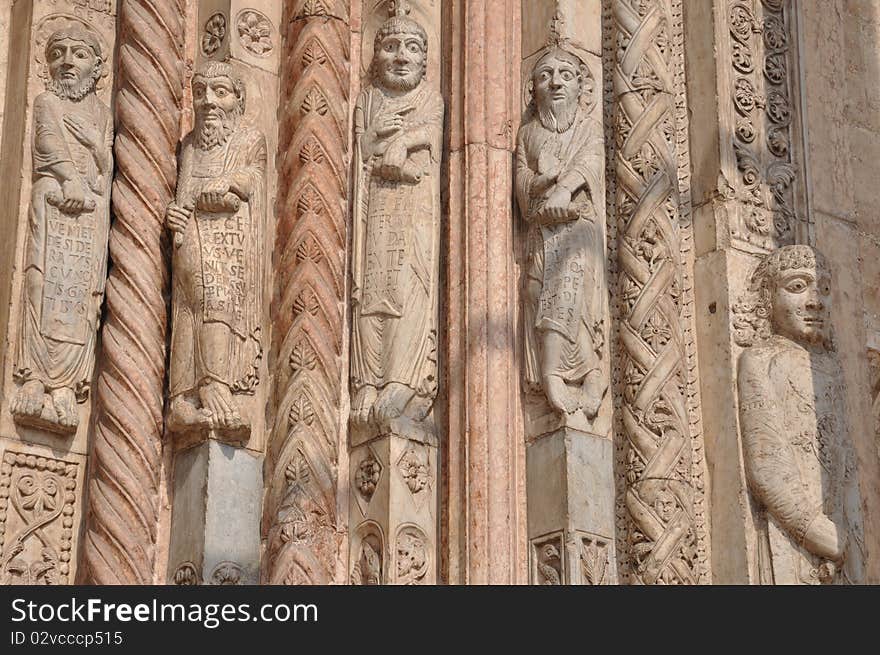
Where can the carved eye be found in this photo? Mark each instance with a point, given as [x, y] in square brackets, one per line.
[413, 47]
[55, 53]
[81, 54]
[796, 286]
[221, 92]
[568, 76]
[389, 47]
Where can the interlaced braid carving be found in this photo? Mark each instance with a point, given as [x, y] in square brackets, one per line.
[123, 490]
[654, 308]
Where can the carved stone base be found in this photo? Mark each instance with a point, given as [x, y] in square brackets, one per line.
[570, 480]
[215, 519]
[46, 421]
[542, 419]
[403, 427]
[393, 512]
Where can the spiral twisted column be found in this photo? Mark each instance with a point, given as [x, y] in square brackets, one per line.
[654, 295]
[123, 508]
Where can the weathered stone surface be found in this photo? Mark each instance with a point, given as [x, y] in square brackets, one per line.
[217, 219]
[799, 460]
[215, 519]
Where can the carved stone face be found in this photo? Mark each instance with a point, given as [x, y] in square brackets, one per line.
[799, 303]
[73, 67]
[556, 82]
[217, 107]
[214, 99]
[400, 61]
[665, 505]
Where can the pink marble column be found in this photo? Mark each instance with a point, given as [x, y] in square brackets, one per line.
[483, 516]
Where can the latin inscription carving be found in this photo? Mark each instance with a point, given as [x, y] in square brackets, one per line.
[395, 261]
[217, 221]
[559, 183]
[69, 220]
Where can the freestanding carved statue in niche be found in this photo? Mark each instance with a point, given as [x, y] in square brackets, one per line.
[799, 461]
[69, 221]
[560, 160]
[398, 139]
[217, 220]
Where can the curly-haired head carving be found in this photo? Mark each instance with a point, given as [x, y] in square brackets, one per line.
[753, 314]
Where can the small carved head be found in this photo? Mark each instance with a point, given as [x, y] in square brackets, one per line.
[412, 560]
[789, 296]
[665, 505]
[75, 62]
[559, 85]
[400, 54]
[218, 101]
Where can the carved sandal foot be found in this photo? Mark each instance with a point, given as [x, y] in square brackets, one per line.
[559, 395]
[64, 401]
[217, 399]
[29, 400]
[392, 402]
[184, 414]
[363, 404]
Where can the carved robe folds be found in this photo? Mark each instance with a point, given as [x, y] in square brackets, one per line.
[799, 461]
[396, 246]
[66, 257]
[217, 268]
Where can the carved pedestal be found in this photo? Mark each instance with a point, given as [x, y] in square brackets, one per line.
[571, 509]
[393, 512]
[216, 515]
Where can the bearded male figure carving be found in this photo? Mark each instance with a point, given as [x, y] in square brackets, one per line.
[217, 220]
[398, 139]
[799, 461]
[560, 159]
[68, 226]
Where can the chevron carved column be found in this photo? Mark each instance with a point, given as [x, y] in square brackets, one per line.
[301, 518]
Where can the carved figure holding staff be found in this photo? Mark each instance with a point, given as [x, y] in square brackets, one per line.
[218, 220]
[395, 265]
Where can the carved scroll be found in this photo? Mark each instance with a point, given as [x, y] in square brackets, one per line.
[123, 503]
[300, 510]
[662, 464]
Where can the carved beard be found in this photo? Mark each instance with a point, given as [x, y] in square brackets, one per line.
[558, 116]
[75, 90]
[215, 132]
[407, 83]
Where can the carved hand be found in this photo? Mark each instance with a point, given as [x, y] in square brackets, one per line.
[557, 205]
[825, 539]
[541, 183]
[395, 154]
[86, 135]
[389, 125]
[177, 218]
[74, 201]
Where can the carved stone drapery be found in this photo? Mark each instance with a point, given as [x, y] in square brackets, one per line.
[798, 457]
[124, 485]
[662, 456]
[301, 520]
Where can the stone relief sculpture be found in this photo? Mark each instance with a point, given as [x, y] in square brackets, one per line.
[217, 219]
[69, 220]
[395, 265]
[799, 461]
[560, 162]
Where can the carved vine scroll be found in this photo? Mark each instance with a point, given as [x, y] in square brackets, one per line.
[123, 490]
[307, 312]
[662, 459]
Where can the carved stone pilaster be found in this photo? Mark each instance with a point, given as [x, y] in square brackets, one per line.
[662, 456]
[302, 522]
[560, 189]
[395, 265]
